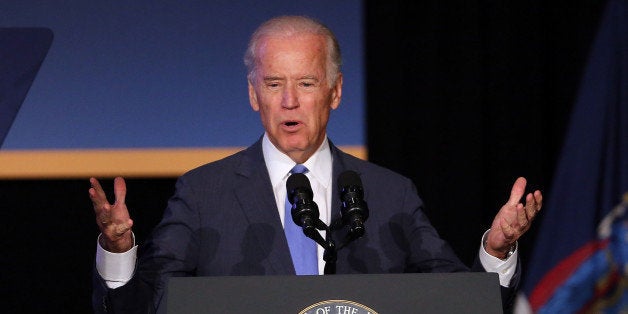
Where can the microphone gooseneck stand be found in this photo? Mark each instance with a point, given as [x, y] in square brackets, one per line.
[354, 212]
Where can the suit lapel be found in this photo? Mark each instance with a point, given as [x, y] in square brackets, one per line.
[339, 166]
[341, 162]
[257, 201]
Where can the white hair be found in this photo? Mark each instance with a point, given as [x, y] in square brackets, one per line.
[290, 26]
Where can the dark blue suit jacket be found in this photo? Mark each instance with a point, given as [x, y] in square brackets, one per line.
[223, 220]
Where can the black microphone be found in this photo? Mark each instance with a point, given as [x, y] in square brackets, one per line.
[304, 210]
[354, 210]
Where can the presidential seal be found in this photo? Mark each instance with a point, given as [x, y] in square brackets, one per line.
[338, 307]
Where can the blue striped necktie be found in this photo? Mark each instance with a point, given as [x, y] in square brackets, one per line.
[302, 248]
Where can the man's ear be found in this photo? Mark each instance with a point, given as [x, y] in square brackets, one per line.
[336, 93]
[253, 97]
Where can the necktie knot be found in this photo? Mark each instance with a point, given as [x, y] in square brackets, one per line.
[298, 168]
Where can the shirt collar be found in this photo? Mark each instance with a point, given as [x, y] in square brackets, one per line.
[279, 164]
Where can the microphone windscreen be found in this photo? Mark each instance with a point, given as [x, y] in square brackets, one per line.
[297, 180]
[349, 178]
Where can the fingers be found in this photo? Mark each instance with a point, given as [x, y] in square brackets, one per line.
[101, 205]
[524, 215]
[97, 194]
[514, 218]
[522, 218]
[508, 231]
[533, 204]
[119, 190]
[117, 238]
[518, 188]
[113, 220]
[119, 229]
[110, 217]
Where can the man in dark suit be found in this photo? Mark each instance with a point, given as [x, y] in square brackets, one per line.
[227, 218]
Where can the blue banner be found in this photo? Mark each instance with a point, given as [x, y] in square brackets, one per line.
[574, 267]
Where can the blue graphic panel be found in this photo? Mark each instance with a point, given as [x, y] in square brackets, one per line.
[142, 73]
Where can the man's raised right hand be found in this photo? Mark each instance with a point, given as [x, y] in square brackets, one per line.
[112, 219]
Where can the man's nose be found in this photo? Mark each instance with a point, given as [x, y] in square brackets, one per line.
[290, 99]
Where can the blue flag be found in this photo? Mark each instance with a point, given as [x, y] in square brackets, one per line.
[574, 268]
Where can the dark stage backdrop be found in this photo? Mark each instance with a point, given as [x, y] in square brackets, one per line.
[460, 98]
[465, 98]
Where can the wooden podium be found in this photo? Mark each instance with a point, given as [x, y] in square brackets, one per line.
[337, 294]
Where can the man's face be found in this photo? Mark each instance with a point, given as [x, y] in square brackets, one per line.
[292, 94]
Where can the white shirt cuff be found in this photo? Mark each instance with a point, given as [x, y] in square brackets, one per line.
[504, 268]
[115, 268]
